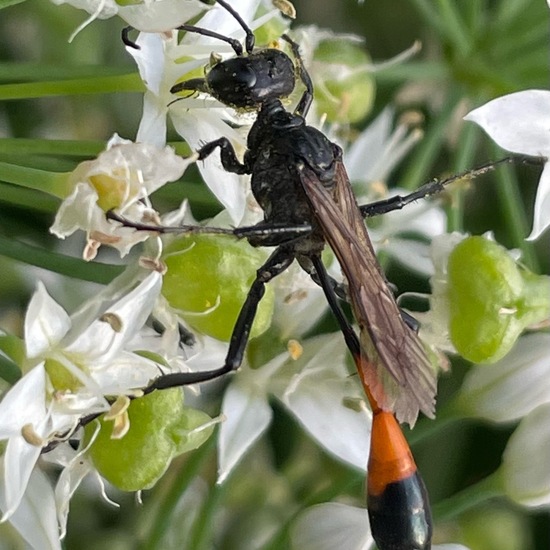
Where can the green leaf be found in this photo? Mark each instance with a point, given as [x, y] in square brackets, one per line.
[8, 3]
[72, 267]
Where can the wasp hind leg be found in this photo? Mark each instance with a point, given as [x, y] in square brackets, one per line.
[397, 501]
[276, 264]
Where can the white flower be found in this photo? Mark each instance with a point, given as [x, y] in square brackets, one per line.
[434, 323]
[100, 9]
[376, 152]
[76, 466]
[520, 123]
[147, 15]
[121, 178]
[299, 302]
[91, 345]
[26, 423]
[334, 525]
[316, 389]
[197, 119]
[524, 471]
[369, 161]
[512, 387]
[35, 517]
[83, 359]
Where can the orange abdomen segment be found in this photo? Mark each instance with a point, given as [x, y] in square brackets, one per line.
[397, 500]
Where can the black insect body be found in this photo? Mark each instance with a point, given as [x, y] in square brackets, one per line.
[299, 180]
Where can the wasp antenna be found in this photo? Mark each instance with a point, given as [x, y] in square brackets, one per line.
[125, 35]
[250, 38]
[235, 44]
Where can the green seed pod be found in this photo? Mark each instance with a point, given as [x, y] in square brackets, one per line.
[208, 279]
[491, 299]
[344, 86]
[160, 429]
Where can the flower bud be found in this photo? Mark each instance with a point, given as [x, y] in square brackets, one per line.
[525, 471]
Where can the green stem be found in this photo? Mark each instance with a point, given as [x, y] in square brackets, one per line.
[428, 149]
[427, 428]
[166, 510]
[455, 29]
[431, 17]
[53, 183]
[202, 534]
[487, 489]
[514, 215]
[65, 147]
[9, 371]
[27, 198]
[413, 70]
[463, 159]
[32, 72]
[94, 85]
[58, 263]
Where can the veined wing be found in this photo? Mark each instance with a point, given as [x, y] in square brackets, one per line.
[397, 371]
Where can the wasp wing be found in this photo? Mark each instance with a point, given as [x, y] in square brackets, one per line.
[397, 371]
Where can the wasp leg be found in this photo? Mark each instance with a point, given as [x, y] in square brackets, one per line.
[307, 97]
[397, 500]
[276, 264]
[412, 322]
[341, 291]
[320, 276]
[229, 159]
[435, 186]
[235, 44]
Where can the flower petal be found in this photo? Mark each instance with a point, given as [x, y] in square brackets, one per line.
[152, 127]
[248, 415]
[414, 255]
[300, 303]
[331, 526]
[19, 463]
[101, 341]
[512, 387]
[317, 398]
[46, 322]
[160, 16]
[149, 59]
[525, 470]
[541, 215]
[68, 482]
[518, 122]
[35, 518]
[198, 127]
[24, 403]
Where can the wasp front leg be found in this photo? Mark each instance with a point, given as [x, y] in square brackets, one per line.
[229, 159]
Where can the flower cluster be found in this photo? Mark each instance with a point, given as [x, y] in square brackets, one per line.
[83, 402]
